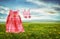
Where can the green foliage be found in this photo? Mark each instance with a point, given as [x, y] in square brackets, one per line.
[33, 31]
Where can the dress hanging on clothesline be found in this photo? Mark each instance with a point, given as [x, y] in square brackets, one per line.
[26, 14]
[14, 22]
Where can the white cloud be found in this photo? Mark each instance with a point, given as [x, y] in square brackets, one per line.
[2, 20]
[39, 3]
[4, 10]
[42, 11]
[45, 12]
[41, 18]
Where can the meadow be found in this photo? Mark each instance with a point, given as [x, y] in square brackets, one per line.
[34, 31]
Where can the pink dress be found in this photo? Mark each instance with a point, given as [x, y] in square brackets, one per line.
[26, 14]
[14, 23]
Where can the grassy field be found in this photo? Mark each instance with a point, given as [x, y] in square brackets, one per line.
[34, 31]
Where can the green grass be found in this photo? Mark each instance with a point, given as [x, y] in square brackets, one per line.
[33, 31]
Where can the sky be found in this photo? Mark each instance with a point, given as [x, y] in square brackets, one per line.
[40, 10]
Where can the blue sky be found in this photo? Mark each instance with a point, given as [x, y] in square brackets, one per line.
[39, 9]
